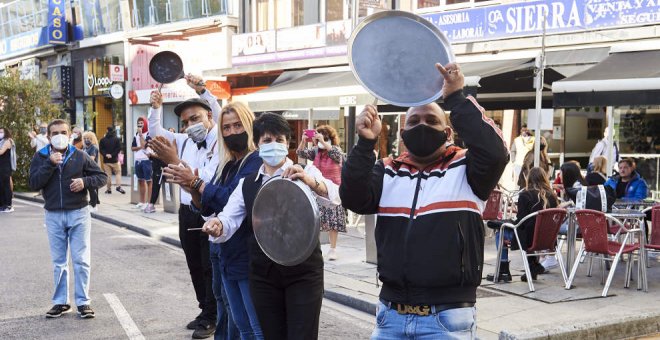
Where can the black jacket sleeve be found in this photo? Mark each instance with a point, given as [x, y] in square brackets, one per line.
[487, 154]
[116, 147]
[94, 177]
[41, 170]
[361, 179]
[102, 146]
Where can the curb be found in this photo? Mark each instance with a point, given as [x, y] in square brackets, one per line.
[331, 294]
[623, 327]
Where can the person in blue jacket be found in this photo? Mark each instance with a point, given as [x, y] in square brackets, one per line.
[230, 259]
[628, 184]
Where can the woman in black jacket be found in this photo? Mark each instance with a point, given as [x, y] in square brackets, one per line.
[537, 195]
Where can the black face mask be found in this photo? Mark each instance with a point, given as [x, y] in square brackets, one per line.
[423, 140]
[237, 143]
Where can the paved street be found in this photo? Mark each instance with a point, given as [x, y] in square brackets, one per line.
[145, 277]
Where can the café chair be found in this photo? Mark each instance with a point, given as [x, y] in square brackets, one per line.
[596, 244]
[654, 237]
[544, 241]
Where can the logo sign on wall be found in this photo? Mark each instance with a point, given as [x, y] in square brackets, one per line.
[101, 84]
[116, 91]
[57, 27]
[116, 72]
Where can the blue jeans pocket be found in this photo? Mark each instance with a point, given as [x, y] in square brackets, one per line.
[456, 320]
[381, 314]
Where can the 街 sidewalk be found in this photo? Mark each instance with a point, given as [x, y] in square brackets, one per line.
[505, 311]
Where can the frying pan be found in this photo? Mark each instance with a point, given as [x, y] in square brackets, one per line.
[392, 55]
[166, 67]
[286, 222]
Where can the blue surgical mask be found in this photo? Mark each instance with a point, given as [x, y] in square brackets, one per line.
[273, 153]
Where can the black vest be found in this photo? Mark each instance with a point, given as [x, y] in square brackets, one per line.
[260, 264]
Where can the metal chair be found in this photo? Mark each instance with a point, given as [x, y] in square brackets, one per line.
[595, 243]
[546, 229]
[654, 236]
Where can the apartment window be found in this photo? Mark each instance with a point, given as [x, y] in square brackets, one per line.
[334, 10]
[427, 3]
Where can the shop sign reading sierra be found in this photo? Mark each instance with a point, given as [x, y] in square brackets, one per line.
[57, 28]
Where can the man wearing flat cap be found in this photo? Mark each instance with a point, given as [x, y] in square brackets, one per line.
[196, 148]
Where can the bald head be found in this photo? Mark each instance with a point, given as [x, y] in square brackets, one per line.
[429, 114]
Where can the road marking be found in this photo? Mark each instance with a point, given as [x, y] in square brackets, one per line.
[124, 318]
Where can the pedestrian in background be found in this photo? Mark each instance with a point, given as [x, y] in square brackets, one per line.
[110, 146]
[63, 173]
[143, 170]
[39, 140]
[156, 173]
[327, 157]
[91, 148]
[77, 138]
[7, 166]
[520, 146]
[528, 163]
[600, 149]
[598, 174]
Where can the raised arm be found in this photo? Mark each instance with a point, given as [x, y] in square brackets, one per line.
[155, 111]
[487, 154]
[361, 177]
[213, 103]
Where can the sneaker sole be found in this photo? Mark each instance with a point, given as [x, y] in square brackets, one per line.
[50, 316]
[87, 316]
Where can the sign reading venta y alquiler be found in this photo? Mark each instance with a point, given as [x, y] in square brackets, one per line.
[56, 22]
[525, 18]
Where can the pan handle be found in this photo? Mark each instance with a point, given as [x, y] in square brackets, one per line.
[160, 86]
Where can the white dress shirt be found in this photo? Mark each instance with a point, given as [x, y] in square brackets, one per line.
[205, 159]
[234, 212]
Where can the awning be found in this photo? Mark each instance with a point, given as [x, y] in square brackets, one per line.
[301, 90]
[573, 61]
[625, 78]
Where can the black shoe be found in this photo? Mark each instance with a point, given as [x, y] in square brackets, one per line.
[108, 191]
[193, 324]
[505, 275]
[536, 269]
[204, 330]
[121, 190]
[85, 312]
[57, 311]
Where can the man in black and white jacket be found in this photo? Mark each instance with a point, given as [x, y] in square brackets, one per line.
[429, 201]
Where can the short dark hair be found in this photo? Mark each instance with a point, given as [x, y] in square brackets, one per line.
[272, 123]
[57, 122]
[629, 161]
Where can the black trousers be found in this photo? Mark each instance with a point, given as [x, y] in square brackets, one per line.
[288, 301]
[5, 189]
[195, 246]
[157, 173]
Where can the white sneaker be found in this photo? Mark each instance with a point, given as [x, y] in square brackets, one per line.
[550, 262]
[139, 206]
[332, 254]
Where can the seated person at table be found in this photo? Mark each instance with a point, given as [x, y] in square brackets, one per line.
[628, 184]
[598, 176]
[537, 195]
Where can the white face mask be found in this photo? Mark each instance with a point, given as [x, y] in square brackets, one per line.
[2, 135]
[59, 142]
[197, 132]
[273, 153]
[321, 146]
[74, 136]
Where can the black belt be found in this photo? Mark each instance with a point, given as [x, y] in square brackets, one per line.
[424, 310]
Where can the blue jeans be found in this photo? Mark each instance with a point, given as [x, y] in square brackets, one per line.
[458, 323]
[70, 228]
[225, 327]
[242, 308]
[508, 236]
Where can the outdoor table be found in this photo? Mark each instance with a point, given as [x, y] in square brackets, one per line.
[636, 217]
[634, 204]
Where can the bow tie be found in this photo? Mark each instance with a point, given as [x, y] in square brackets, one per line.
[201, 144]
